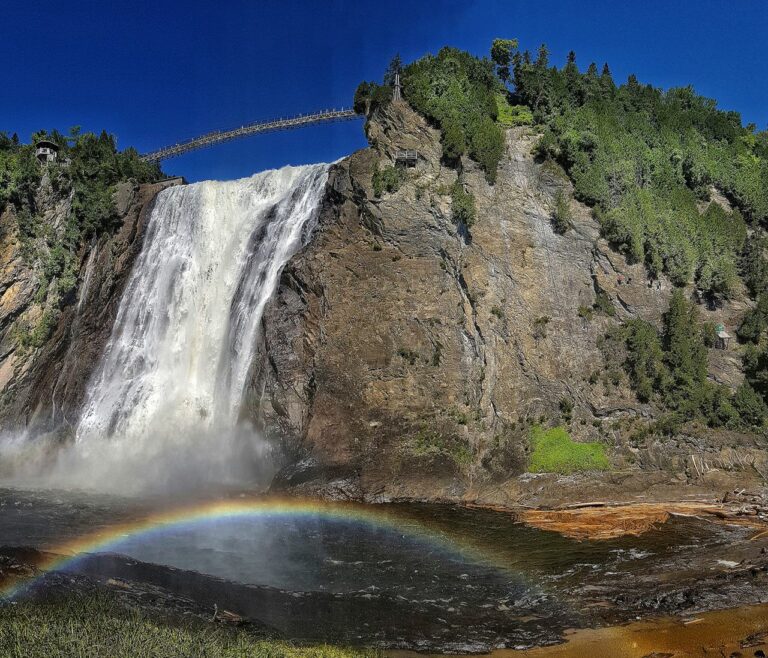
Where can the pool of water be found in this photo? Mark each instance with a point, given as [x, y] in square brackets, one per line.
[420, 576]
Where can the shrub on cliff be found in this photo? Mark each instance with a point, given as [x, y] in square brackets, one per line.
[509, 116]
[463, 208]
[388, 179]
[486, 146]
[561, 213]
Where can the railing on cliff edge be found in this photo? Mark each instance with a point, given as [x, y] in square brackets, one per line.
[218, 136]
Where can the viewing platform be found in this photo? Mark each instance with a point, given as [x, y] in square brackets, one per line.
[407, 158]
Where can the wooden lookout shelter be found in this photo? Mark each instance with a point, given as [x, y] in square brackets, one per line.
[46, 151]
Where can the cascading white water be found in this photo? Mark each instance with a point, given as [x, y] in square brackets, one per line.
[166, 396]
[186, 329]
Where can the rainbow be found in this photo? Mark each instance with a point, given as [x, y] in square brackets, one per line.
[374, 516]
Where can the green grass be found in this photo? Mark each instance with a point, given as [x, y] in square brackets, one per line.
[555, 452]
[96, 626]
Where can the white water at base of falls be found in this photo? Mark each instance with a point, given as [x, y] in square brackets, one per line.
[163, 405]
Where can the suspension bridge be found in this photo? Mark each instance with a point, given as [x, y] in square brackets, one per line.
[218, 136]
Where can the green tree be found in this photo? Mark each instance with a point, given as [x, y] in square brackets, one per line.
[717, 275]
[607, 86]
[370, 96]
[755, 321]
[572, 80]
[754, 265]
[751, 407]
[542, 57]
[756, 369]
[645, 359]
[686, 354]
[502, 51]
[395, 67]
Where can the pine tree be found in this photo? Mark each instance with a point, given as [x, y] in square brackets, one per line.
[686, 353]
[750, 405]
[572, 78]
[395, 67]
[606, 82]
[542, 58]
[754, 266]
[645, 359]
[755, 321]
[591, 83]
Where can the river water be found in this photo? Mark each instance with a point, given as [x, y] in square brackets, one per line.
[435, 577]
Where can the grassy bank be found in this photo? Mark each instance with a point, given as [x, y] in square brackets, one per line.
[96, 626]
[555, 452]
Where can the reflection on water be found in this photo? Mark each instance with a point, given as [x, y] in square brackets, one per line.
[389, 585]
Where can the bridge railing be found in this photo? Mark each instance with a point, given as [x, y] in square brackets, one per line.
[218, 136]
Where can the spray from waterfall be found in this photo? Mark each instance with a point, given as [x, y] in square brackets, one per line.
[164, 404]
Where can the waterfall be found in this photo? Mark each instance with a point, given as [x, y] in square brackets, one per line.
[169, 388]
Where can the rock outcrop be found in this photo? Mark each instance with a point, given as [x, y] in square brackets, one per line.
[43, 386]
[407, 356]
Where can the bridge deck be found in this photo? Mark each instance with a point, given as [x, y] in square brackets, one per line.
[218, 136]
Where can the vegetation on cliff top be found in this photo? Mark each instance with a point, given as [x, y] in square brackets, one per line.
[647, 160]
[86, 172]
[652, 163]
[459, 93]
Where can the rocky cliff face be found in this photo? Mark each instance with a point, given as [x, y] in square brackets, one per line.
[43, 385]
[406, 355]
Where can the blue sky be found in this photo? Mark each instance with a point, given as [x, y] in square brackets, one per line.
[155, 72]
